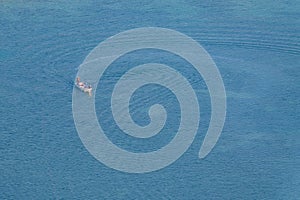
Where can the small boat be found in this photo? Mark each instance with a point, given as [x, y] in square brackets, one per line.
[84, 87]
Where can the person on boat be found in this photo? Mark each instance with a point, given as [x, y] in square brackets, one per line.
[90, 90]
[81, 84]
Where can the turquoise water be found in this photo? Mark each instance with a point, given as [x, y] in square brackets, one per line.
[256, 48]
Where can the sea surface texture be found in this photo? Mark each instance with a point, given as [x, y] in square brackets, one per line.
[256, 47]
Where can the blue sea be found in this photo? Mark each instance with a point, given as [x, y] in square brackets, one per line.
[256, 47]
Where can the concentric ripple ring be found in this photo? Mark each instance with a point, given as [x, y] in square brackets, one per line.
[84, 112]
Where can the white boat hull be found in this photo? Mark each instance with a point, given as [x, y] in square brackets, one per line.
[84, 89]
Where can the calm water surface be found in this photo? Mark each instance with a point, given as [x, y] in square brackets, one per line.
[256, 46]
